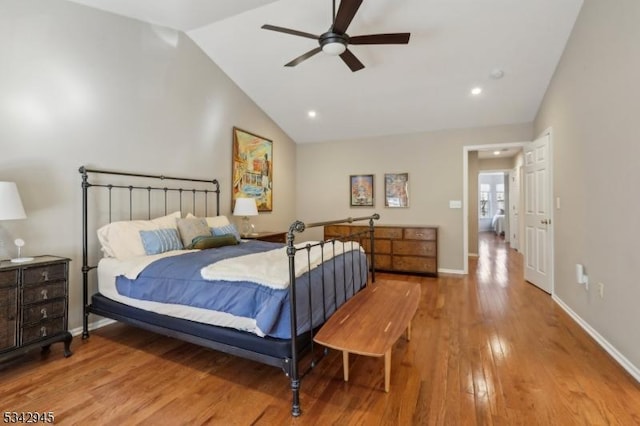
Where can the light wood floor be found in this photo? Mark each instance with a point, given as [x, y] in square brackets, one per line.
[486, 349]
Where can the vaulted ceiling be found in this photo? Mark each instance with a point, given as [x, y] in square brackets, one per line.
[455, 45]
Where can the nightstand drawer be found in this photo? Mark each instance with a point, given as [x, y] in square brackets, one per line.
[44, 292]
[43, 274]
[42, 311]
[9, 278]
[7, 297]
[44, 329]
[8, 314]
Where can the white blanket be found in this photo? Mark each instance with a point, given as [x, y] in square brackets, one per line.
[271, 268]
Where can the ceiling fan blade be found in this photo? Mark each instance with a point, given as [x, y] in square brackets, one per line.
[303, 57]
[396, 38]
[352, 62]
[289, 31]
[346, 12]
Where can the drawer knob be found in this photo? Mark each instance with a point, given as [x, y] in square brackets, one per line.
[43, 331]
[43, 312]
[45, 275]
[44, 294]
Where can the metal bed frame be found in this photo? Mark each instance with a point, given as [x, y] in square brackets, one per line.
[299, 346]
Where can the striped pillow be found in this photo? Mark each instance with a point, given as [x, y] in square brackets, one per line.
[227, 229]
[160, 240]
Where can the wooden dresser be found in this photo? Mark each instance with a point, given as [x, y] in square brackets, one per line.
[33, 305]
[399, 248]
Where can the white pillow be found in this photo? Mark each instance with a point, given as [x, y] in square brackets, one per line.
[214, 221]
[122, 239]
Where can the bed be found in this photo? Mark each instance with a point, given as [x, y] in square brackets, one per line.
[259, 300]
[497, 222]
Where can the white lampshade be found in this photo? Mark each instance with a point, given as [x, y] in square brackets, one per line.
[10, 202]
[245, 207]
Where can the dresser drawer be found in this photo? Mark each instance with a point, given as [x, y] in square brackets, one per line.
[7, 297]
[381, 246]
[414, 264]
[416, 248]
[420, 234]
[43, 292]
[43, 329]
[392, 233]
[43, 274]
[9, 278]
[8, 314]
[383, 262]
[42, 311]
[333, 231]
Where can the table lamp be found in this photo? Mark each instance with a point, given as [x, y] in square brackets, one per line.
[245, 207]
[11, 209]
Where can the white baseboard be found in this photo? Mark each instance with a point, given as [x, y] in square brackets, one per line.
[93, 326]
[611, 350]
[451, 271]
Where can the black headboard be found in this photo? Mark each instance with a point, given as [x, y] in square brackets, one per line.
[129, 196]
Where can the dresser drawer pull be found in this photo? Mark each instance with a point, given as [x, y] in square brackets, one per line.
[45, 275]
[43, 312]
[43, 331]
[419, 234]
[43, 293]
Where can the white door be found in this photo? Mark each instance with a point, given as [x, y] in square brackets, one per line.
[514, 196]
[537, 214]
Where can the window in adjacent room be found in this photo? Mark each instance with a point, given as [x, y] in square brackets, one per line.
[500, 197]
[485, 197]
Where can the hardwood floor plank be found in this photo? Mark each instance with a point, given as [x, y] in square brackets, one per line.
[486, 349]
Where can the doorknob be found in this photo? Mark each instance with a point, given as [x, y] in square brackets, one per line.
[546, 221]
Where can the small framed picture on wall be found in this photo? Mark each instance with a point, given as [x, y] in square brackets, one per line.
[396, 189]
[361, 190]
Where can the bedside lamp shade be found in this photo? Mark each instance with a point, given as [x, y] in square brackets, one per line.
[11, 209]
[10, 202]
[245, 207]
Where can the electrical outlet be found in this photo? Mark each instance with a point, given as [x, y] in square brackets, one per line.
[601, 290]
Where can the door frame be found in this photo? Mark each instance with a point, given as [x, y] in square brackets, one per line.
[465, 191]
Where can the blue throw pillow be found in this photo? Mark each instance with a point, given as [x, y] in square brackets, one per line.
[160, 240]
[227, 229]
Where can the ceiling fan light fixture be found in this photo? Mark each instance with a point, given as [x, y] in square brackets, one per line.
[334, 48]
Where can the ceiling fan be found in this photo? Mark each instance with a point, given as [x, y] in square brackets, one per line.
[335, 41]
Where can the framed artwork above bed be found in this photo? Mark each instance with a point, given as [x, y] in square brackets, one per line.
[252, 169]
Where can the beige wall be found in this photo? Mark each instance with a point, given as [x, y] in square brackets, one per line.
[491, 164]
[592, 107]
[79, 86]
[433, 161]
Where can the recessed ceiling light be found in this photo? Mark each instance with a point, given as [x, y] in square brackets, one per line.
[496, 74]
[476, 91]
[496, 152]
[312, 114]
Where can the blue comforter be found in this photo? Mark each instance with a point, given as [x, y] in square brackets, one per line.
[177, 280]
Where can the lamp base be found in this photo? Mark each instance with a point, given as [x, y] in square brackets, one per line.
[21, 259]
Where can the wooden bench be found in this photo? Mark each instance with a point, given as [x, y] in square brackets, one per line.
[371, 322]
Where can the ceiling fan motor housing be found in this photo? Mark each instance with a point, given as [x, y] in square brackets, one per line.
[333, 43]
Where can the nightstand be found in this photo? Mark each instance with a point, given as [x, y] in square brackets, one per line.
[274, 237]
[34, 305]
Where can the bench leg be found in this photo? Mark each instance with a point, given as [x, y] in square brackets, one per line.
[345, 365]
[387, 370]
